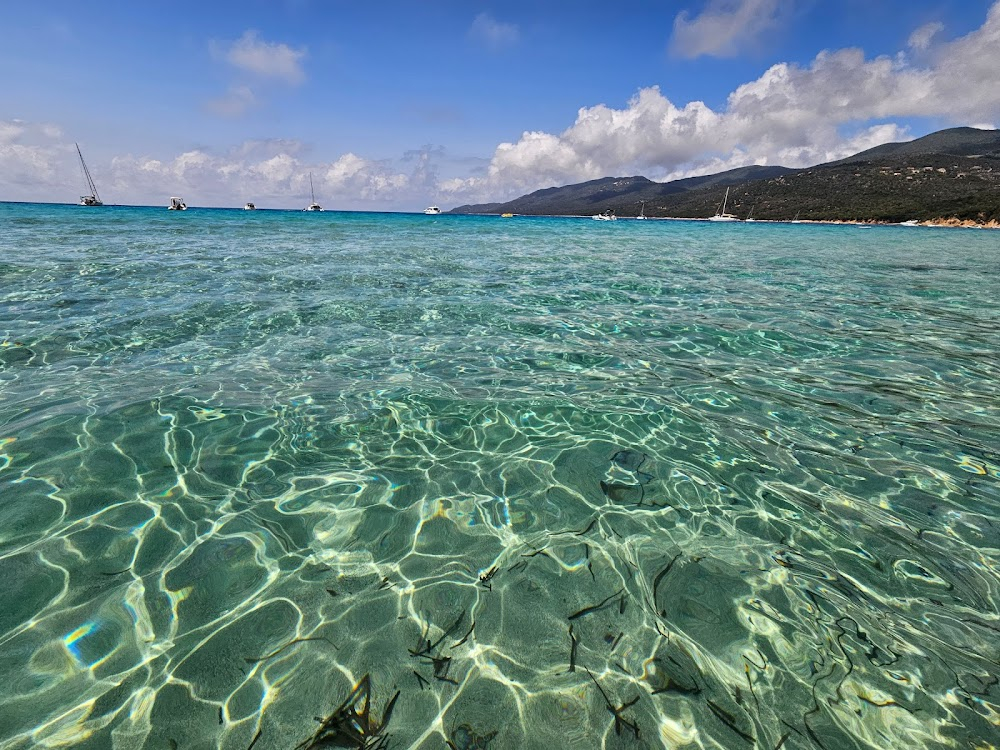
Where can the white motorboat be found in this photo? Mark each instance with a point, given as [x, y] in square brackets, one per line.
[249, 207]
[432, 210]
[910, 223]
[314, 206]
[642, 211]
[177, 204]
[608, 215]
[93, 199]
[722, 215]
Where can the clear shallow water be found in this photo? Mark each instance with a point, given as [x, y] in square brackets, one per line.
[516, 470]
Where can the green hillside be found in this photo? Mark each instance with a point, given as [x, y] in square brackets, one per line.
[954, 142]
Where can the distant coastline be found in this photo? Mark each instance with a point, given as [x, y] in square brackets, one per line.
[947, 179]
[939, 222]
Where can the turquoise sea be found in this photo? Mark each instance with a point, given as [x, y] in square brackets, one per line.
[523, 483]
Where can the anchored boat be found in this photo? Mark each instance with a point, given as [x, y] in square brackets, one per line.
[93, 199]
[722, 215]
[314, 206]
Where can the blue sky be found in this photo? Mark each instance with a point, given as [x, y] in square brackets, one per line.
[396, 105]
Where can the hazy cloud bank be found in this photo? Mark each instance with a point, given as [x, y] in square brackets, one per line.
[726, 27]
[494, 34]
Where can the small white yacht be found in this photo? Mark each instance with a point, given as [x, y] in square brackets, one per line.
[249, 207]
[432, 210]
[177, 204]
[93, 199]
[642, 211]
[314, 206]
[909, 223]
[722, 215]
[608, 215]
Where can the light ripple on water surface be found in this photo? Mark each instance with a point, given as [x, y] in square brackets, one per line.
[556, 482]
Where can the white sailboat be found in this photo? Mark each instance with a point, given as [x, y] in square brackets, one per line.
[750, 217]
[722, 215]
[93, 199]
[642, 211]
[314, 206]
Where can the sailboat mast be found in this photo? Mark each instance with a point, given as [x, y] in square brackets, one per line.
[724, 201]
[86, 173]
[311, 191]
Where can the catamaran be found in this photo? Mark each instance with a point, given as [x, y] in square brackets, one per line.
[93, 199]
[722, 215]
[314, 206]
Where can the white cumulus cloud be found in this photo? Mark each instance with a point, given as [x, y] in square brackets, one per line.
[31, 158]
[725, 27]
[273, 174]
[252, 54]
